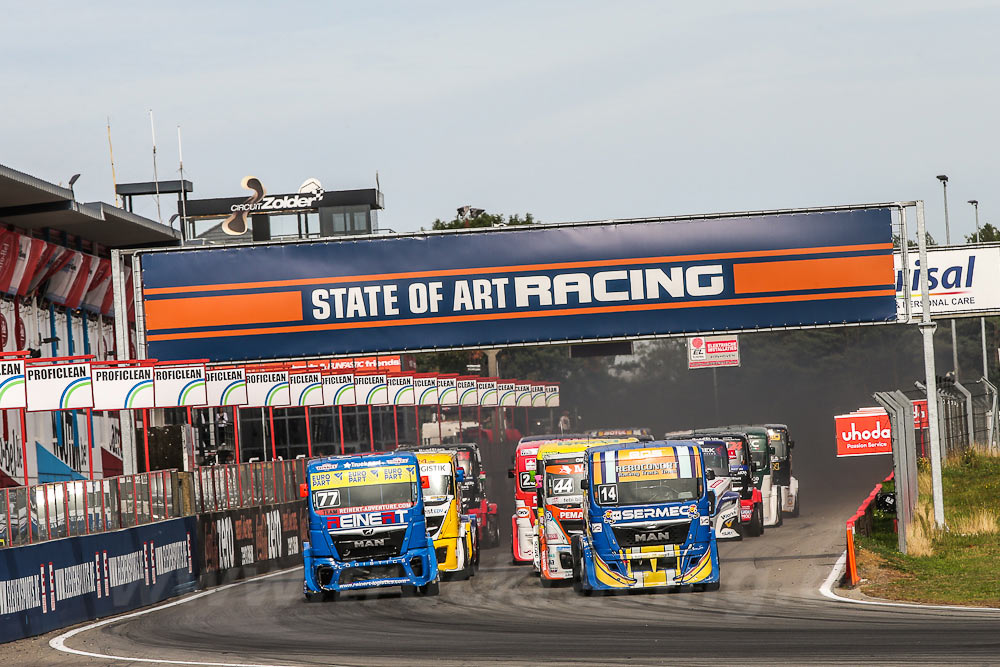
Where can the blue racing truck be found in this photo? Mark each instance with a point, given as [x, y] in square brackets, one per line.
[647, 519]
[367, 526]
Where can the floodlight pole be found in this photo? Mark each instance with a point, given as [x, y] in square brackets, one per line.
[947, 239]
[982, 320]
[927, 332]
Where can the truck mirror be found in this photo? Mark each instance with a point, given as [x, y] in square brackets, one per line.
[461, 475]
[585, 484]
[711, 504]
[710, 474]
[791, 444]
[510, 473]
[303, 490]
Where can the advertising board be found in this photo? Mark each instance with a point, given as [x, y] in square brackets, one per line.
[447, 386]
[268, 389]
[963, 281]
[226, 387]
[401, 390]
[425, 386]
[12, 392]
[523, 390]
[508, 392]
[338, 389]
[306, 388]
[525, 285]
[179, 386]
[487, 390]
[123, 388]
[713, 351]
[59, 387]
[371, 388]
[863, 433]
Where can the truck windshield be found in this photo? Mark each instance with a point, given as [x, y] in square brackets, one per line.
[645, 477]
[779, 440]
[758, 450]
[563, 479]
[435, 484]
[716, 458]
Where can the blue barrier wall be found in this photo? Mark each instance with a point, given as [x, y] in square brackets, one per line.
[54, 584]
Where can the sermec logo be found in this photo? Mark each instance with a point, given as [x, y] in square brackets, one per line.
[865, 433]
[652, 513]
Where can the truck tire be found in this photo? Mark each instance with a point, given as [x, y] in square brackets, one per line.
[795, 510]
[430, 589]
[756, 526]
[492, 532]
[781, 518]
[714, 586]
[408, 590]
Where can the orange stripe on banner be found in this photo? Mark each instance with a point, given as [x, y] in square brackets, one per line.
[211, 311]
[518, 267]
[803, 274]
[306, 328]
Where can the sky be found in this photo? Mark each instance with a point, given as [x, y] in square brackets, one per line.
[567, 110]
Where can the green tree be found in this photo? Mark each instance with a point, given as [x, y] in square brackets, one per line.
[987, 233]
[484, 219]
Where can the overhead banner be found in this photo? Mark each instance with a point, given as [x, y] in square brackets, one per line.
[524, 394]
[447, 389]
[543, 283]
[507, 389]
[863, 433]
[179, 386]
[401, 390]
[123, 387]
[468, 392]
[268, 389]
[713, 351]
[226, 386]
[306, 388]
[59, 387]
[963, 281]
[425, 387]
[371, 389]
[12, 393]
[338, 389]
[386, 364]
[487, 390]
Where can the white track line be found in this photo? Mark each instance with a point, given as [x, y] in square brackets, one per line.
[59, 643]
[826, 589]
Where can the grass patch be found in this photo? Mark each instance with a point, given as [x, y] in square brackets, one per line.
[957, 566]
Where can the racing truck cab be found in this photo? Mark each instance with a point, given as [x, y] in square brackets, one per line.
[449, 526]
[366, 526]
[473, 488]
[781, 467]
[761, 451]
[726, 486]
[523, 519]
[647, 513]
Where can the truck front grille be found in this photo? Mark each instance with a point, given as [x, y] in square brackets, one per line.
[643, 536]
[355, 574]
[378, 545]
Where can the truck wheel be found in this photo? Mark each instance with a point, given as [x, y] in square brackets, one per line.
[430, 589]
[795, 509]
[756, 526]
[408, 590]
[781, 518]
[546, 583]
[699, 588]
[493, 530]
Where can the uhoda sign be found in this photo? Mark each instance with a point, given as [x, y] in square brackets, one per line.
[546, 283]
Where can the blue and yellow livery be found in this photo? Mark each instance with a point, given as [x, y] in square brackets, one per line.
[648, 519]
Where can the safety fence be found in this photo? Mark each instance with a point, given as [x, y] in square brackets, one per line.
[226, 487]
[66, 509]
[862, 522]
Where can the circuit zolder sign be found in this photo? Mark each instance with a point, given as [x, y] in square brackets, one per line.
[519, 286]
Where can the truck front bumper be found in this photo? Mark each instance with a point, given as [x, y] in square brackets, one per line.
[416, 567]
[653, 571]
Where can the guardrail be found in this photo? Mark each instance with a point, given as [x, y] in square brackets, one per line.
[68, 509]
[862, 522]
[236, 485]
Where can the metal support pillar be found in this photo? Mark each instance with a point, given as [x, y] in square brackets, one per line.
[927, 332]
[969, 423]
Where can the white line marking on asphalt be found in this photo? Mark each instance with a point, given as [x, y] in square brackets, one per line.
[826, 589]
[59, 643]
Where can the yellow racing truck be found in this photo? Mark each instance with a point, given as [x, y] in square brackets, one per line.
[454, 536]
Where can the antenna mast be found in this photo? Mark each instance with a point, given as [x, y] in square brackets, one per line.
[114, 179]
[180, 159]
[156, 178]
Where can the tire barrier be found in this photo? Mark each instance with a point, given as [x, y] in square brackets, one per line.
[860, 522]
[245, 542]
[62, 582]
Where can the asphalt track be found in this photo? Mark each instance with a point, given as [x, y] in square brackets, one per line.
[768, 610]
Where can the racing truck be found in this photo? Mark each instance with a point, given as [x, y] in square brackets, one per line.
[761, 452]
[781, 467]
[473, 489]
[726, 485]
[523, 520]
[647, 519]
[455, 541]
[366, 526]
[746, 480]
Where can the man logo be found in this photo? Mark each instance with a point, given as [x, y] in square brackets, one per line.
[367, 532]
[236, 224]
[652, 537]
